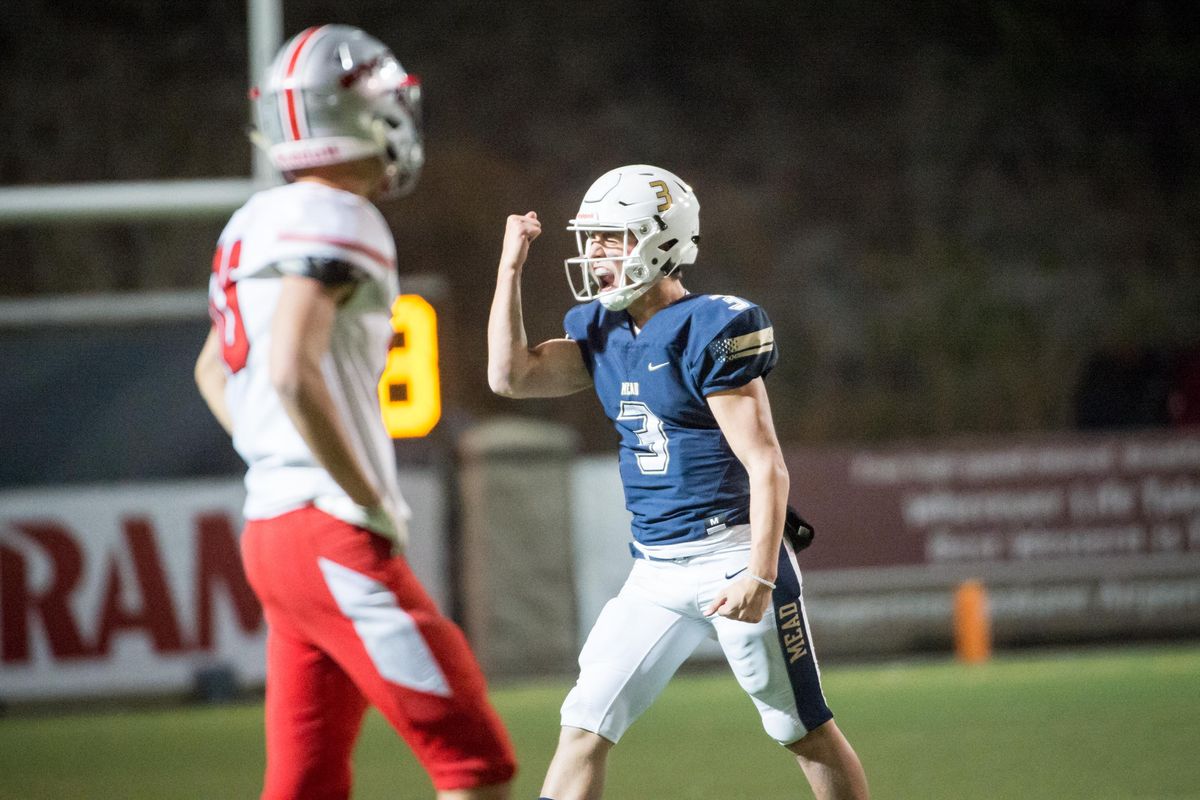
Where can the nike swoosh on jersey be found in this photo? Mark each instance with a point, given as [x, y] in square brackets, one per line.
[733, 575]
[652, 366]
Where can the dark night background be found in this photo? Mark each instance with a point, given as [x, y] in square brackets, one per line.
[962, 217]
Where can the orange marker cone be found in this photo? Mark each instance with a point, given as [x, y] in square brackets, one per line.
[972, 623]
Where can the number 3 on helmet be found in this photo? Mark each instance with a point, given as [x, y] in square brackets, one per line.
[651, 208]
[335, 94]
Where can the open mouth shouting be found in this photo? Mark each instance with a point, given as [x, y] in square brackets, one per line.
[606, 278]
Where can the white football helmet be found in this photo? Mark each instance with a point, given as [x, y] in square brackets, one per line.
[647, 203]
[334, 94]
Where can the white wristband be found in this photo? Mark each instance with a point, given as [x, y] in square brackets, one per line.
[761, 580]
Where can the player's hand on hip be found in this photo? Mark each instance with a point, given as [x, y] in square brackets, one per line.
[745, 600]
[519, 232]
[377, 516]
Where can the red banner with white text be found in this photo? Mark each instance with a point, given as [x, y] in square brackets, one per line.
[1002, 500]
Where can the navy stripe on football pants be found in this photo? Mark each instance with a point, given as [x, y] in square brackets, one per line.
[794, 641]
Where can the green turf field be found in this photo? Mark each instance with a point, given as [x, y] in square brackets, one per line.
[1089, 724]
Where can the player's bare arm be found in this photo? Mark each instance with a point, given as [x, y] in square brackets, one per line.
[744, 415]
[300, 334]
[550, 369]
[210, 380]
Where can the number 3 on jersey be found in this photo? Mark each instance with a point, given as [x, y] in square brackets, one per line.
[223, 307]
[650, 435]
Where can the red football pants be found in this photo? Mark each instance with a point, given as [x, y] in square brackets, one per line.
[349, 624]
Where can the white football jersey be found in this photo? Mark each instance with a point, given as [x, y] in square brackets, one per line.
[295, 221]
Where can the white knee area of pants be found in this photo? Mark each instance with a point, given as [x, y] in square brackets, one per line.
[783, 728]
[610, 720]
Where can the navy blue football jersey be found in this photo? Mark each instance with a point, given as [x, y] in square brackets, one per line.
[682, 481]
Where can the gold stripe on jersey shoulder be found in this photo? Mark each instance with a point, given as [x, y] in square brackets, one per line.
[752, 344]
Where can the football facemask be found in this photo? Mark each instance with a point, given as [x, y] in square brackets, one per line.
[654, 211]
[335, 94]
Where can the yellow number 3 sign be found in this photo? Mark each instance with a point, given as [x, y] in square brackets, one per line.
[410, 391]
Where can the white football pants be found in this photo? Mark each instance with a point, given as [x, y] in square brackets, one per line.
[647, 631]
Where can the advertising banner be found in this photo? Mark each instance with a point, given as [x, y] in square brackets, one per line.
[1075, 537]
[1001, 501]
[123, 589]
[138, 588]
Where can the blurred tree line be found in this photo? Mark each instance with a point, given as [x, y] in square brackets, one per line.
[951, 210]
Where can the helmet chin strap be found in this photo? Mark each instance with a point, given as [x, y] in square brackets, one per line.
[621, 299]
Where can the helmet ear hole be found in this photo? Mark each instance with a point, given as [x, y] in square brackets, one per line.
[666, 246]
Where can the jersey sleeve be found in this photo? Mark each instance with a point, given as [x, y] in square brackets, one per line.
[329, 271]
[576, 327]
[743, 350]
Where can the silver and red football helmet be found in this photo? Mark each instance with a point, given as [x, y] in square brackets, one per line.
[655, 212]
[335, 94]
